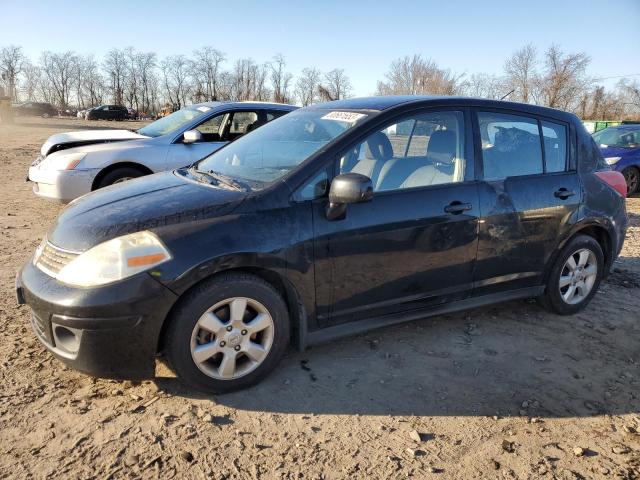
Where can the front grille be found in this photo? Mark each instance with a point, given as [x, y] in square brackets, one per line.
[52, 259]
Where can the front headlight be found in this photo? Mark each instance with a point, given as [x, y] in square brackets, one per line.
[62, 161]
[115, 260]
[612, 160]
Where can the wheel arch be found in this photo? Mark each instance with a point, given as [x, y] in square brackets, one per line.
[295, 307]
[114, 166]
[597, 230]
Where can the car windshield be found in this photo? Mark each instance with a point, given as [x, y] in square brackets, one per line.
[174, 121]
[618, 137]
[280, 146]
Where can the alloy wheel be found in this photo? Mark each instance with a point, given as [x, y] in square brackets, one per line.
[578, 276]
[232, 338]
[632, 177]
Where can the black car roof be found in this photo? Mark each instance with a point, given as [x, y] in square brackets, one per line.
[381, 103]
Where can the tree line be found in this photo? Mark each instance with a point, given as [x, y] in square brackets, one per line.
[146, 82]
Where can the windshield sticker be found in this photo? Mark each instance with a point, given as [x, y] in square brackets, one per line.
[349, 117]
[204, 109]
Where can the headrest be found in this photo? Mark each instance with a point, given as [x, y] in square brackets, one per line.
[442, 146]
[379, 147]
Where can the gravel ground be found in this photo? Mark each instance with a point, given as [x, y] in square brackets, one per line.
[508, 391]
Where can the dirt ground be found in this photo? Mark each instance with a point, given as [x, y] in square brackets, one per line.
[508, 391]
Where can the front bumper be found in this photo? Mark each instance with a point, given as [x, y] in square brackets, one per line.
[61, 185]
[111, 331]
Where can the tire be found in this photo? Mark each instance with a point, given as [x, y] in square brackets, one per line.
[632, 177]
[119, 175]
[185, 333]
[586, 252]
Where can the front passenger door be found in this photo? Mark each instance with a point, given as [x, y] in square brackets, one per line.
[414, 245]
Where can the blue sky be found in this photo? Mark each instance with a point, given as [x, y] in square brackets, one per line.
[361, 37]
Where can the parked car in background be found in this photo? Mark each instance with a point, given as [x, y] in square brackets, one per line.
[132, 114]
[72, 164]
[329, 221]
[107, 112]
[620, 147]
[37, 109]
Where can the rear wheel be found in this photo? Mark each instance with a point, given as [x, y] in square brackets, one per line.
[228, 333]
[119, 175]
[632, 177]
[575, 276]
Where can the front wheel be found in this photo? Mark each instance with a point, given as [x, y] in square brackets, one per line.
[228, 333]
[575, 276]
[119, 175]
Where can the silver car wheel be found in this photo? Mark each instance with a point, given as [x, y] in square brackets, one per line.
[578, 276]
[232, 338]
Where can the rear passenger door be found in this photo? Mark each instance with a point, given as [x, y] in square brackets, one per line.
[528, 196]
[414, 245]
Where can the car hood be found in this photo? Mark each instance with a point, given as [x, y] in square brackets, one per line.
[146, 203]
[63, 141]
[617, 151]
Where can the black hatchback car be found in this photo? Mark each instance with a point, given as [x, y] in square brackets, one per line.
[107, 112]
[331, 220]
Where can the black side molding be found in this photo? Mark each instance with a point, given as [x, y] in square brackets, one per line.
[361, 326]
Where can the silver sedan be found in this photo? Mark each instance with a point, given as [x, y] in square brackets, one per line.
[72, 164]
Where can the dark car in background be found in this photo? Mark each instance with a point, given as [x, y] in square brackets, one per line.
[107, 112]
[36, 109]
[328, 221]
[620, 147]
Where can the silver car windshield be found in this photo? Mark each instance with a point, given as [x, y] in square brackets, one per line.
[173, 122]
[278, 147]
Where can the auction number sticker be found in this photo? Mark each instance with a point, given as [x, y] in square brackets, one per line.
[349, 117]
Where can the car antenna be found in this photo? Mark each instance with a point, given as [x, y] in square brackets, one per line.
[506, 95]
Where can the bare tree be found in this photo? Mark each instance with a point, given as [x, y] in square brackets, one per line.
[521, 74]
[31, 80]
[416, 75]
[175, 76]
[247, 81]
[206, 70]
[146, 65]
[280, 79]
[337, 84]
[11, 64]
[483, 85]
[59, 70]
[564, 78]
[115, 66]
[306, 89]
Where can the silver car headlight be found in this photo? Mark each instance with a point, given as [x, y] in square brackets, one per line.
[62, 161]
[115, 260]
[612, 160]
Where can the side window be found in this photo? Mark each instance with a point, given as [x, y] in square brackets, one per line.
[210, 128]
[273, 114]
[510, 145]
[417, 151]
[241, 123]
[314, 188]
[555, 146]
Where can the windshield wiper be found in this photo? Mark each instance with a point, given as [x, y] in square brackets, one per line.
[232, 182]
[216, 178]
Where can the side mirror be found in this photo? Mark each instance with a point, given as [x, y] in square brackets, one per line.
[191, 136]
[345, 189]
